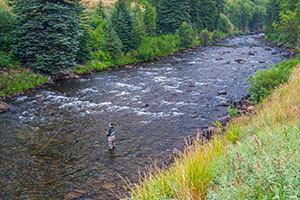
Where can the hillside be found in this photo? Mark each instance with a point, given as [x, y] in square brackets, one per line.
[93, 3]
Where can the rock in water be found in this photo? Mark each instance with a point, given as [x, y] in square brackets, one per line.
[223, 104]
[222, 92]
[219, 59]
[39, 96]
[4, 107]
[240, 60]
[109, 186]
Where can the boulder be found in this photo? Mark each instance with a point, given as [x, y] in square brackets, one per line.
[224, 120]
[226, 51]
[250, 108]
[235, 45]
[219, 59]
[240, 60]
[195, 115]
[250, 53]
[39, 96]
[222, 92]
[128, 67]
[224, 104]
[109, 186]
[146, 105]
[206, 57]
[4, 107]
[262, 61]
[268, 49]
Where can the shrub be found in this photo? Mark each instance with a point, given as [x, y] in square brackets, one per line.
[205, 37]
[187, 35]
[233, 112]
[264, 81]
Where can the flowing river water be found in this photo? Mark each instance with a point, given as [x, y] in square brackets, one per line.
[54, 147]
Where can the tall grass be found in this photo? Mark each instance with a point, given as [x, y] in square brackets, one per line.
[256, 158]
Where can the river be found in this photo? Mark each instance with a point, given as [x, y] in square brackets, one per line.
[54, 147]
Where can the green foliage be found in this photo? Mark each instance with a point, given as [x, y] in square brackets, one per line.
[171, 14]
[84, 53]
[264, 81]
[187, 35]
[97, 36]
[163, 45]
[112, 44]
[138, 30]
[233, 112]
[265, 167]
[47, 30]
[205, 37]
[121, 20]
[283, 21]
[15, 81]
[224, 24]
[150, 20]
[246, 15]
[100, 10]
[6, 26]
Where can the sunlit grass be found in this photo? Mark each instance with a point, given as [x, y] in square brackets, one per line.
[256, 158]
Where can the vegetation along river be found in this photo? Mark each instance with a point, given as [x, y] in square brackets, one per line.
[54, 147]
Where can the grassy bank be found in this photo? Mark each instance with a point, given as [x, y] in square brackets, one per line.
[14, 81]
[256, 158]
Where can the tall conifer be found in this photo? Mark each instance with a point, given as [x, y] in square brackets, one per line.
[171, 14]
[121, 21]
[47, 33]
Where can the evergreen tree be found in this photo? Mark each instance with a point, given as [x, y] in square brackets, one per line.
[138, 29]
[112, 44]
[47, 33]
[273, 10]
[100, 10]
[84, 53]
[121, 21]
[171, 14]
[150, 19]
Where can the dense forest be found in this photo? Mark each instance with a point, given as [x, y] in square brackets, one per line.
[59, 37]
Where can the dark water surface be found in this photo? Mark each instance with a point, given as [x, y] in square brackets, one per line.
[54, 146]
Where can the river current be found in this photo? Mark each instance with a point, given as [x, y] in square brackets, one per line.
[55, 147]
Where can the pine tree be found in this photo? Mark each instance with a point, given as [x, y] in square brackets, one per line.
[112, 44]
[47, 33]
[100, 10]
[171, 14]
[121, 21]
[84, 53]
[138, 28]
[150, 19]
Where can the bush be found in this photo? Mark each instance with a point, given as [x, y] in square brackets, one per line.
[233, 112]
[264, 81]
[187, 35]
[205, 37]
